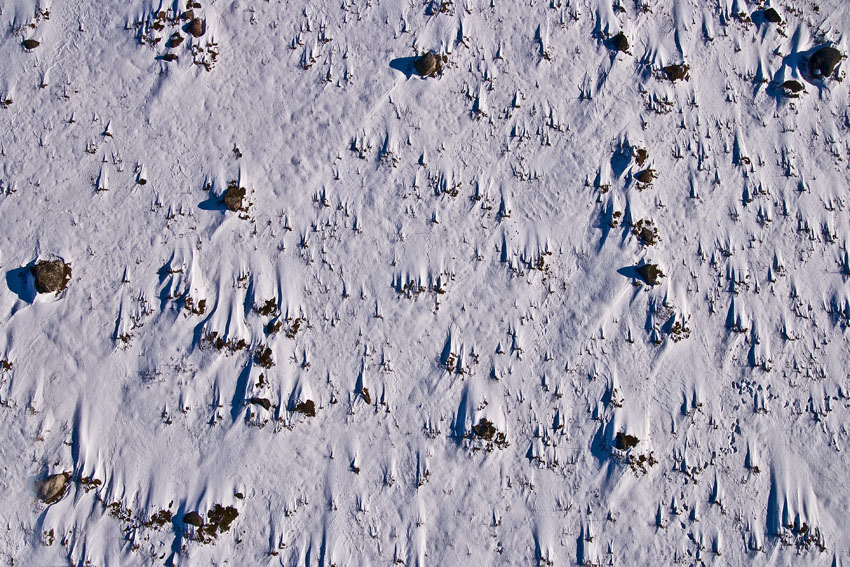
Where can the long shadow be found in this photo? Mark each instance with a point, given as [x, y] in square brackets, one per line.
[213, 203]
[238, 402]
[404, 65]
[19, 281]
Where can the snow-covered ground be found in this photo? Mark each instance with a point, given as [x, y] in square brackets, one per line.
[420, 329]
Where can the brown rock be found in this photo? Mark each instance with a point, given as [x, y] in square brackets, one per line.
[233, 197]
[620, 42]
[772, 16]
[30, 43]
[52, 488]
[649, 273]
[427, 65]
[823, 61]
[51, 276]
[197, 27]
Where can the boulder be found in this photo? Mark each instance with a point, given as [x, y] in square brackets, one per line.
[233, 196]
[52, 488]
[427, 65]
[51, 276]
[620, 42]
[196, 28]
[823, 61]
[193, 519]
[649, 273]
[772, 16]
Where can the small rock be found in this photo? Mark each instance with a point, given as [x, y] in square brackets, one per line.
[193, 519]
[620, 42]
[266, 404]
[308, 408]
[169, 57]
[427, 65]
[677, 72]
[52, 488]
[30, 43]
[646, 176]
[197, 27]
[649, 273]
[772, 16]
[188, 15]
[175, 40]
[233, 197]
[51, 276]
[792, 87]
[823, 61]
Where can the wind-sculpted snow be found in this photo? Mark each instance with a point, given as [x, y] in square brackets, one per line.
[450, 282]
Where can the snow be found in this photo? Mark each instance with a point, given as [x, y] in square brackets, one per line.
[424, 257]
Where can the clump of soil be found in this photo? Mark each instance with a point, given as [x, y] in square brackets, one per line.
[52, 488]
[159, 519]
[264, 357]
[485, 429]
[679, 72]
[823, 61]
[233, 197]
[650, 273]
[429, 64]
[175, 40]
[646, 231]
[51, 276]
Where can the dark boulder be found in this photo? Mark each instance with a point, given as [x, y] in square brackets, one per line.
[649, 273]
[772, 16]
[193, 519]
[620, 42]
[823, 61]
[233, 197]
[427, 65]
[51, 276]
[196, 28]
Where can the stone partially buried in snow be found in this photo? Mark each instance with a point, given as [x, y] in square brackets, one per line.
[427, 65]
[823, 61]
[52, 488]
[51, 276]
[193, 519]
[650, 273]
[30, 44]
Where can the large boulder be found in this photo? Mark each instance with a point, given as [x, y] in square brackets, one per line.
[51, 276]
[823, 61]
[427, 65]
[52, 488]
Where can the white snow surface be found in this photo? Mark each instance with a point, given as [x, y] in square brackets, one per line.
[425, 258]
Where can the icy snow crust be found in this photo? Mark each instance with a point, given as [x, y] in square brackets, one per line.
[444, 266]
